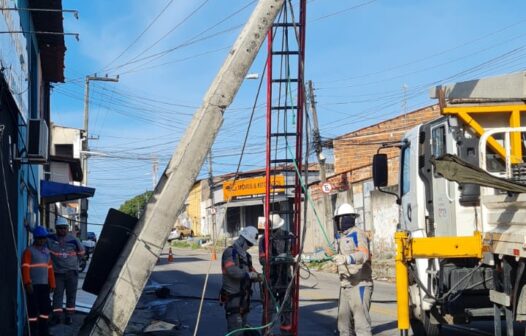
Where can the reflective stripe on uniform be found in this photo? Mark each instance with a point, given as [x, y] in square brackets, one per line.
[36, 265]
[62, 254]
[354, 236]
[362, 249]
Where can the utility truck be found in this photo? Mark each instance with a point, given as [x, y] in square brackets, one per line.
[461, 240]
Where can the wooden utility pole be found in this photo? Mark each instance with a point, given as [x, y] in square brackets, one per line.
[85, 149]
[119, 295]
[318, 147]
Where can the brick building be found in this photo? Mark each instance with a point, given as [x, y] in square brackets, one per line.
[352, 180]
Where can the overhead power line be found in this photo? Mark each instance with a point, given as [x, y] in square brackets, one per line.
[179, 24]
[200, 37]
[342, 11]
[141, 34]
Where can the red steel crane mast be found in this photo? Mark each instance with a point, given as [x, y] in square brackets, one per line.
[285, 111]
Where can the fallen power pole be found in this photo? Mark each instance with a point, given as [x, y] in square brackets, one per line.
[116, 302]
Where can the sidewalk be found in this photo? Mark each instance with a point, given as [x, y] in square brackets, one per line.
[147, 313]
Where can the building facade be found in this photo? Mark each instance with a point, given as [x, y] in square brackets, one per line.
[352, 181]
[62, 193]
[29, 62]
[236, 202]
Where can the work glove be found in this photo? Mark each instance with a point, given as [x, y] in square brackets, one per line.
[340, 259]
[51, 289]
[255, 276]
[329, 251]
[29, 289]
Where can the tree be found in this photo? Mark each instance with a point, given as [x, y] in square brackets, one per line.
[135, 206]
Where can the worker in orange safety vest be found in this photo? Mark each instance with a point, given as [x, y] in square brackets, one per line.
[39, 281]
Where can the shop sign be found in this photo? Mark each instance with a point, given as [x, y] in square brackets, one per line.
[250, 187]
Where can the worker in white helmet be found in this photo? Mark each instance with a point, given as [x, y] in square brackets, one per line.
[281, 262]
[238, 275]
[354, 267]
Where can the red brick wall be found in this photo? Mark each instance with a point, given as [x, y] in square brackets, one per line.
[354, 151]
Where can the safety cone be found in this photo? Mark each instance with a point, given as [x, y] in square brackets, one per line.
[214, 255]
[170, 255]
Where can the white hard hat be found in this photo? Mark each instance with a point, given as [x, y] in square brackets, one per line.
[61, 221]
[250, 233]
[345, 209]
[276, 221]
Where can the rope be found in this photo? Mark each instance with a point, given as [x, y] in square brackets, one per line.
[202, 297]
[233, 332]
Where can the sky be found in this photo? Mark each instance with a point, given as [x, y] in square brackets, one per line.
[369, 60]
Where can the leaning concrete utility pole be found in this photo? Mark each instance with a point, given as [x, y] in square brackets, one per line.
[117, 300]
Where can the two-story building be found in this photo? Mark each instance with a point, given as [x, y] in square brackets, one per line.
[30, 61]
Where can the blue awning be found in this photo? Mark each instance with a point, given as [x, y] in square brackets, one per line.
[52, 192]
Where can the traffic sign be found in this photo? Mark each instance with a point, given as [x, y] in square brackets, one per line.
[326, 187]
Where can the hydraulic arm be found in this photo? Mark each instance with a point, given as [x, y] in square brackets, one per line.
[408, 249]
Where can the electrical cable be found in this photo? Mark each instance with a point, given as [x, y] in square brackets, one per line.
[249, 123]
[202, 297]
[141, 34]
[442, 52]
[343, 11]
[195, 39]
[180, 23]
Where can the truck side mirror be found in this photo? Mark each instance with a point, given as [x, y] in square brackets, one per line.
[380, 170]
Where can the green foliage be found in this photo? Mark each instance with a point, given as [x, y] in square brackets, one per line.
[135, 206]
[186, 244]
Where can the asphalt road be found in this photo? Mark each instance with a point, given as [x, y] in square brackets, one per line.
[318, 300]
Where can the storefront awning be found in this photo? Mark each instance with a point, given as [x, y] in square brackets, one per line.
[52, 192]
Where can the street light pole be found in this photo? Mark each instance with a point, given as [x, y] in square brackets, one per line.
[85, 148]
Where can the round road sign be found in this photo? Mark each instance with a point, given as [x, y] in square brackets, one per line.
[326, 187]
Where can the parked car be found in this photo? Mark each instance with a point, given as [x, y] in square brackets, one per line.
[180, 232]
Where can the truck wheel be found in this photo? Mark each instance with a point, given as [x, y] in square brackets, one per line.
[424, 326]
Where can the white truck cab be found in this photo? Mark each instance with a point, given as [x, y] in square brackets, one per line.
[481, 129]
